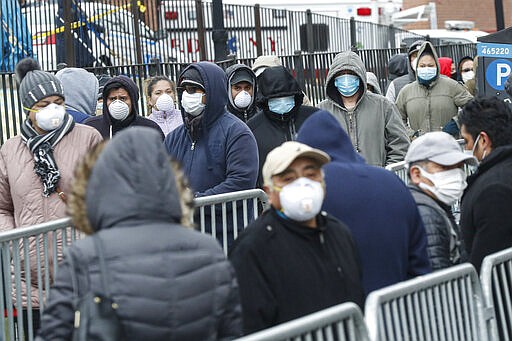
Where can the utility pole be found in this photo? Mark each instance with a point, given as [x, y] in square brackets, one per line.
[219, 35]
[500, 20]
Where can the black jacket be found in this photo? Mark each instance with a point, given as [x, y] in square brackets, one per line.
[286, 270]
[443, 236]
[170, 282]
[486, 214]
[108, 126]
[271, 129]
[243, 114]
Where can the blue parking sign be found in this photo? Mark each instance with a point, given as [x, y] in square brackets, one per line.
[497, 73]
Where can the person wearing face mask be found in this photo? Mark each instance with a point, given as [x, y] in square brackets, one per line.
[218, 152]
[397, 84]
[161, 92]
[242, 91]
[280, 98]
[433, 99]
[294, 259]
[120, 109]
[371, 121]
[465, 69]
[486, 217]
[36, 167]
[437, 180]
[374, 203]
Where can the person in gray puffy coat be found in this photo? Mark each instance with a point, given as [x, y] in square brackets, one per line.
[372, 122]
[170, 282]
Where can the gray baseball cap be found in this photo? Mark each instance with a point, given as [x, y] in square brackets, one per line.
[438, 147]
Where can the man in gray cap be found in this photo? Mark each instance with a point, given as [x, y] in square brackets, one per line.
[437, 180]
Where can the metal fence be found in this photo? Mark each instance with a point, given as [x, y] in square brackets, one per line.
[310, 70]
[343, 322]
[86, 33]
[445, 305]
[496, 279]
[224, 215]
[27, 273]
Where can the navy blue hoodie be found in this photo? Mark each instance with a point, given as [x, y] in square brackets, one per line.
[374, 203]
[224, 155]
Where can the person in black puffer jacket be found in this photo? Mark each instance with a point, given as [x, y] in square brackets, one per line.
[437, 181]
[170, 282]
[280, 97]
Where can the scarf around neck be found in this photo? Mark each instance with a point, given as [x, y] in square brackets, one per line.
[41, 147]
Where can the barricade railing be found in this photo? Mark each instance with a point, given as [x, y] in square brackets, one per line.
[224, 215]
[445, 305]
[343, 322]
[496, 280]
[27, 273]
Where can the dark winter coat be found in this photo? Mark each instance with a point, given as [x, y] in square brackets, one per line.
[444, 240]
[108, 126]
[486, 217]
[271, 129]
[375, 205]
[224, 157]
[286, 270]
[170, 282]
[247, 113]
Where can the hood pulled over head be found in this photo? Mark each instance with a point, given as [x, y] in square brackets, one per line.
[345, 61]
[214, 83]
[132, 182]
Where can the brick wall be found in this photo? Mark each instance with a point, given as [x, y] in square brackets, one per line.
[480, 11]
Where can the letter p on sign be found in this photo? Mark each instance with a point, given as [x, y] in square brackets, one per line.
[502, 72]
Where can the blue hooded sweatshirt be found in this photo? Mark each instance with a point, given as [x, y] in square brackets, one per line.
[374, 203]
[224, 156]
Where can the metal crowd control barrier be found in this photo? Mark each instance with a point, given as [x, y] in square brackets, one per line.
[400, 170]
[343, 322]
[29, 271]
[230, 211]
[445, 305]
[496, 280]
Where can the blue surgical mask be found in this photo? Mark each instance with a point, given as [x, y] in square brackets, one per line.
[426, 74]
[347, 85]
[281, 105]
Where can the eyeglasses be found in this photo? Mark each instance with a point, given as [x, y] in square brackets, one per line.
[467, 70]
[190, 89]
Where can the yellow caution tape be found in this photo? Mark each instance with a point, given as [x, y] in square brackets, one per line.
[77, 24]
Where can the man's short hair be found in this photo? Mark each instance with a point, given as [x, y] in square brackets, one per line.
[490, 115]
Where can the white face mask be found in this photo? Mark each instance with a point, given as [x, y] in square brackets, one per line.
[242, 100]
[448, 185]
[165, 103]
[467, 76]
[472, 151]
[119, 110]
[192, 103]
[413, 64]
[302, 199]
[50, 117]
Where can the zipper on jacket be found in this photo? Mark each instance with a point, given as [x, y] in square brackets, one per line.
[322, 238]
[193, 146]
[352, 130]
